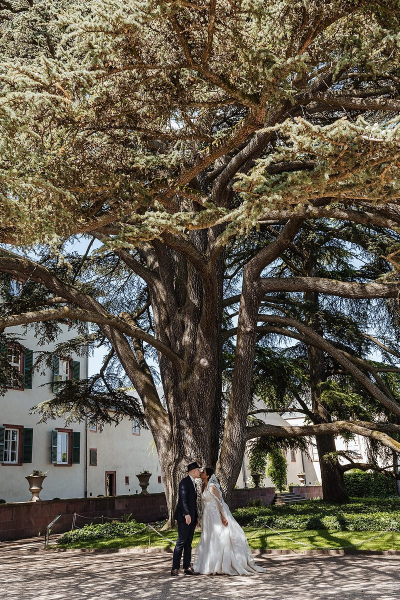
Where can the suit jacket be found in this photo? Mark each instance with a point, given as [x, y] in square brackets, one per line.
[187, 500]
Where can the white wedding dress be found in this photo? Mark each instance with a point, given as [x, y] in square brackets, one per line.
[222, 549]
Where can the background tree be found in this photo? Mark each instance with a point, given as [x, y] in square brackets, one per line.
[304, 378]
[277, 468]
[165, 130]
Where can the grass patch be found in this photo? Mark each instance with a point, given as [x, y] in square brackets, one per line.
[288, 539]
[322, 539]
[303, 526]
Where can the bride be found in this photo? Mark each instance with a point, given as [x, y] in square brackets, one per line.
[223, 547]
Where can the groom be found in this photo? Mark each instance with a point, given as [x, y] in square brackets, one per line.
[186, 515]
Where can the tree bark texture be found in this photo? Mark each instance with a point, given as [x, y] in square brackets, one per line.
[333, 488]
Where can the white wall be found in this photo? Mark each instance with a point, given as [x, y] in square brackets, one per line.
[119, 450]
[301, 463]
[313, 468]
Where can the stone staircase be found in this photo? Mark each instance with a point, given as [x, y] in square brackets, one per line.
[288, 498]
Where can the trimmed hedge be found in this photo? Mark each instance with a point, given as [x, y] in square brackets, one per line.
[367, 515]
[369, 485]
[338, 522]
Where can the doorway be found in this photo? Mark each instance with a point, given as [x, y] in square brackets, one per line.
[111, 483]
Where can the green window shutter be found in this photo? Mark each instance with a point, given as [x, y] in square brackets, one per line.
[76, 369]
[56, 372]
[2, 442]
[53, 447]
[28, 364]
[76, 447]
[27, 443]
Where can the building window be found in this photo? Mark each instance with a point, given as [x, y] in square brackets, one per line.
[93, 457]
[65, 447]
[16, 444]
[92, 426]
[11, 446]
[62, 448]
[293, 455]
[21, 362]
[14, 357]
[64, 369]
[135, 427]
[159, 479]
[126, 479]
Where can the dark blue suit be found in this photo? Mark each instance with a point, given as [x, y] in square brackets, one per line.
[187, 505]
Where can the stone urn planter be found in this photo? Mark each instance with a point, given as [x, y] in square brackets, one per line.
[144, 479]
[35, 480]
[256, 479]
[301, 478]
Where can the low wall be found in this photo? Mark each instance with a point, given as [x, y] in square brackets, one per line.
[308, 491]
[242, 496]
[28, 519]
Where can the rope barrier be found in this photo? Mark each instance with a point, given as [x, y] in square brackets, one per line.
[102, 517]
[161, 535]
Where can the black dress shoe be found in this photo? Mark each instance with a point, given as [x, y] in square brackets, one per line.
[175, 572]
[189, 571]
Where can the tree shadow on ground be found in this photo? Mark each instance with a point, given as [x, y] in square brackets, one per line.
[83, 576]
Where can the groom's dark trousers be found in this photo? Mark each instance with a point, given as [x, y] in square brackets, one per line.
[187, 505]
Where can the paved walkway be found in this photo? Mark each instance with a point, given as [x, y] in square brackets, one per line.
[27, 573]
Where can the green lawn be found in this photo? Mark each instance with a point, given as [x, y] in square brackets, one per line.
[261, 539]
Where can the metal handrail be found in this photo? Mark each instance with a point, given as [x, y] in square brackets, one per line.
[48, 529]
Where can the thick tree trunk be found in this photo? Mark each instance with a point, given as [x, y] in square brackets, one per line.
[187, 309]
[333, 489]
[234, 440]
[233, 448]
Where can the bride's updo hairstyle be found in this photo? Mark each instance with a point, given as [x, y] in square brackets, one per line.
[209, 471]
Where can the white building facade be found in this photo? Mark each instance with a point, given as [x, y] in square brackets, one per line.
[81, 459]
[25, 444]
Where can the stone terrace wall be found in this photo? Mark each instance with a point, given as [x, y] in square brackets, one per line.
[242, 496]
[28, 519]
[308, 491]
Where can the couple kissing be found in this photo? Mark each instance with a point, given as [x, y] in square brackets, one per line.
[223, 548]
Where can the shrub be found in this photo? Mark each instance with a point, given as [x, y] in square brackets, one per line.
[105, 531]
[362, 485]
